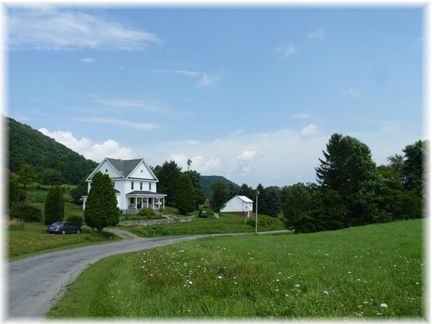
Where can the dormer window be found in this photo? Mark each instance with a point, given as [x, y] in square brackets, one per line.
[141, 170]
[132, 185]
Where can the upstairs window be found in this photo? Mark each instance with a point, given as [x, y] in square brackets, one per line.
[113, 184]
[150, 185]
[140, 185]
[132, 185]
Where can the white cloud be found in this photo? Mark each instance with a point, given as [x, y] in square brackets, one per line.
[310, 130]
[250, 157]
[179, 72]
[120, 122]
[207, 80]
[285, 51]
[247, 155]
[303, 116]
[86, 147]
[87, 60]
[351, 92]
[51, 29]
[203, 79]
[317, 33]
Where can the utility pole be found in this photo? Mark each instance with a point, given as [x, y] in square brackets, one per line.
[256, 212]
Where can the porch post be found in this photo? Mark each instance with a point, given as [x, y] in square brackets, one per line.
[153, 202]
[163, 202]
[147, 202]
[136, 200]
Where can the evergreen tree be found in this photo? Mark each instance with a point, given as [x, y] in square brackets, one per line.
[78, 192]
[199, 195]
[349, 170]
[185, 194]
[269, 201]
[54, 205]
[219, 196]
[247, 191]
[168, 175]
[101, 206]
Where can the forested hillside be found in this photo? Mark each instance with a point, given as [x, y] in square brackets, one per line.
[207, 182]
[29, 146]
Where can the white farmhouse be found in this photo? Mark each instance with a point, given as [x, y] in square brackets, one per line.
[134, 184]
[238, 204]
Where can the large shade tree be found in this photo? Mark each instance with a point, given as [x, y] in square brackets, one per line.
[101, 206]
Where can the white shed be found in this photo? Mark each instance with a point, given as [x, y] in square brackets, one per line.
[238, 204]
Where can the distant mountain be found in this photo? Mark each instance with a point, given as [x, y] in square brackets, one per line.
[27, 145]
[207, 182]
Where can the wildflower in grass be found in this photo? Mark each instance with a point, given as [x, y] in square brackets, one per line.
[384, 305]
[277, 279]
[417, 283]
[326, 292]
[349, 272]
[219, 277]
[296, 285]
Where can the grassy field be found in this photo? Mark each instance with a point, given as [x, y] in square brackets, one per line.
[373, 271]
[36, 197]
[226, 223]
[34, 239]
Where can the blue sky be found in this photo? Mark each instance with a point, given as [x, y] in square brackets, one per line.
[252, 94]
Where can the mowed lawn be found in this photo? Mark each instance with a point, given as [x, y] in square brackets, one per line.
[34, 239]
[226, 223]
[373, 271]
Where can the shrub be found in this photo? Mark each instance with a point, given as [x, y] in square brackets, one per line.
[75, 220]
[26, 212]
[146, 212]
[16, 224]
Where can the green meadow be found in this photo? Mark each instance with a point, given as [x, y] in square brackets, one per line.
[372, 272]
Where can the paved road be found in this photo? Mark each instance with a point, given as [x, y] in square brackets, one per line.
[36, 283]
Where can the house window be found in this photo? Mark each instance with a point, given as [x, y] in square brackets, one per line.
[149, 185]
[106, 170]
[113, 184]
[132, 185]
[140, 185]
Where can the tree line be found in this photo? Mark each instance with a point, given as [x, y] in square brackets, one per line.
[351, 190]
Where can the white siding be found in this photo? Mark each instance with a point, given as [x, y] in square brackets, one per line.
[235, 204]
[141, 171]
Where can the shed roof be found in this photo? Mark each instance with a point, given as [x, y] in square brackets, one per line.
[245, 199]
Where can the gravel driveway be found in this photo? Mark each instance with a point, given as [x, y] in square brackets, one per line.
[36, 283]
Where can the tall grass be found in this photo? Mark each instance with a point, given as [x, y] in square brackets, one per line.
[374, 271]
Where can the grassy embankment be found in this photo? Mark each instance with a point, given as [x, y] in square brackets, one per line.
[373, 271]
[34, 238]
[226, 223]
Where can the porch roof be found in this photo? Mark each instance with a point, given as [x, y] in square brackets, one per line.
[141, 193]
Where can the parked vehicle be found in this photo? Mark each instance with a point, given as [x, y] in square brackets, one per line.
[63, 228]
[203, 213]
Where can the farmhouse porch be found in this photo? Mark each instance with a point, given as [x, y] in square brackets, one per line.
[144, 199]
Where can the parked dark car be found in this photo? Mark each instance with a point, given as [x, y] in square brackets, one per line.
[63, 228]
[203, 213]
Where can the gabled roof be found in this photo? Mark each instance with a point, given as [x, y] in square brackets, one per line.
[245, 199]
[125, 167]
